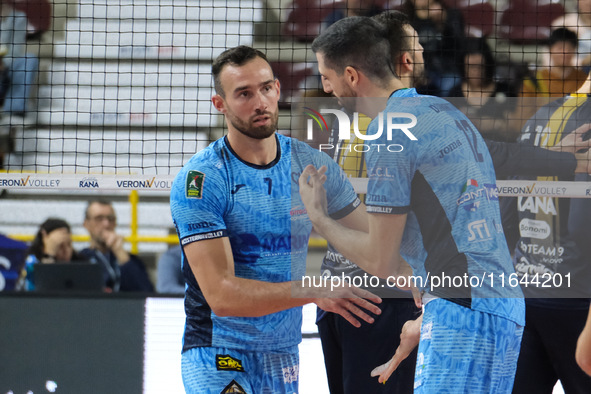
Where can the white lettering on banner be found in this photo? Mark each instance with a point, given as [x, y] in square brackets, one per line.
[84, 181]
[550, 251]
[535, 204]
[530, 228]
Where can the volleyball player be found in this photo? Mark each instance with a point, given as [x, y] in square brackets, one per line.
[244, 233]
[552, 259]
[428, 199]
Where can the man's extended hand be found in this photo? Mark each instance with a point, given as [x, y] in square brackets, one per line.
[583, 162]
[351, 303]
[312, 191]
[409, 339]
[574, 142]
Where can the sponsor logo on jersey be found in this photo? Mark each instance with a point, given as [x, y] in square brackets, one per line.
[535, 249]
[524, 266]
[375, 198]
[233, 388]
[380, 209]
[478, 231]
[450, 148]
[470, 198]
[379, 172]
[298, 213]
[225, 362]
[537, 229]
[199, 237]
[198, 226]
[536, 204]
[236, 188]
[194, 184]
[290, 374]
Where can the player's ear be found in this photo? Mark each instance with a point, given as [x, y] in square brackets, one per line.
[278, 87]
[351, 75]
[406, 63]
[219, 103]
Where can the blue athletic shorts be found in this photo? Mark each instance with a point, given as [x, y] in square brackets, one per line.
[465, 351]
[208, 370]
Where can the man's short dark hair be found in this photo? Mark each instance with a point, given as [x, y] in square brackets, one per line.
[563, 34]
[359, 42]
[236, 56]
[396, 22]
[99, 201]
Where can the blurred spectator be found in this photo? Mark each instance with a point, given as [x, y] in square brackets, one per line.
[123, 271]
[12, 260]
[483, 99]
[22, 66]
[441, 33]
[554, 242]
[353, 8]
[580, 23]
[52, 243]
[4, 76]
[170, 273]
[561, 77]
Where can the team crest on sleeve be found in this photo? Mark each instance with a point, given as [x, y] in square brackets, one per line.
[194, 184]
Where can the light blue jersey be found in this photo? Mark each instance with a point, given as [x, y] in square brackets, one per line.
[463, 352]
[259, 209]
[445, 181]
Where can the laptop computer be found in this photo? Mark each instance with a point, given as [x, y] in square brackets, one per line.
[71, 276]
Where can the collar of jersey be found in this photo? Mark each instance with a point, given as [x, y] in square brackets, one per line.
[403, 92]
[257, 166]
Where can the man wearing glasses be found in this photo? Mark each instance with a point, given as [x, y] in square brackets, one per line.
[122, 271]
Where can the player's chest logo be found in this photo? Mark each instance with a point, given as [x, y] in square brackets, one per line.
[237, 187]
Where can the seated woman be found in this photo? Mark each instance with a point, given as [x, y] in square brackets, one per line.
[53, 243]
[489, 104]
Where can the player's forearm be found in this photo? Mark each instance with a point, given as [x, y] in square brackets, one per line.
[252, 298]
[357, 246]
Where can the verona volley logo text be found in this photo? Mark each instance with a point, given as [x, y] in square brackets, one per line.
[394, 122]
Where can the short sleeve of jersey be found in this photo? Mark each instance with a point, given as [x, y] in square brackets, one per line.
[391, 164]
[341, 196]
[198, 200]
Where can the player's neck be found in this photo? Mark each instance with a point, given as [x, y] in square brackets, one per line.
[251, 150]
[372, 92]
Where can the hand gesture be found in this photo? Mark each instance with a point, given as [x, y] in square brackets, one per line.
[583, 162]
[115, 243]
[312, 191]
[574, 142]
[58, 244]
[351, 303]
[409, 339]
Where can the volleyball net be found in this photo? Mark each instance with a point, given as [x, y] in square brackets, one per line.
[119, 95]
